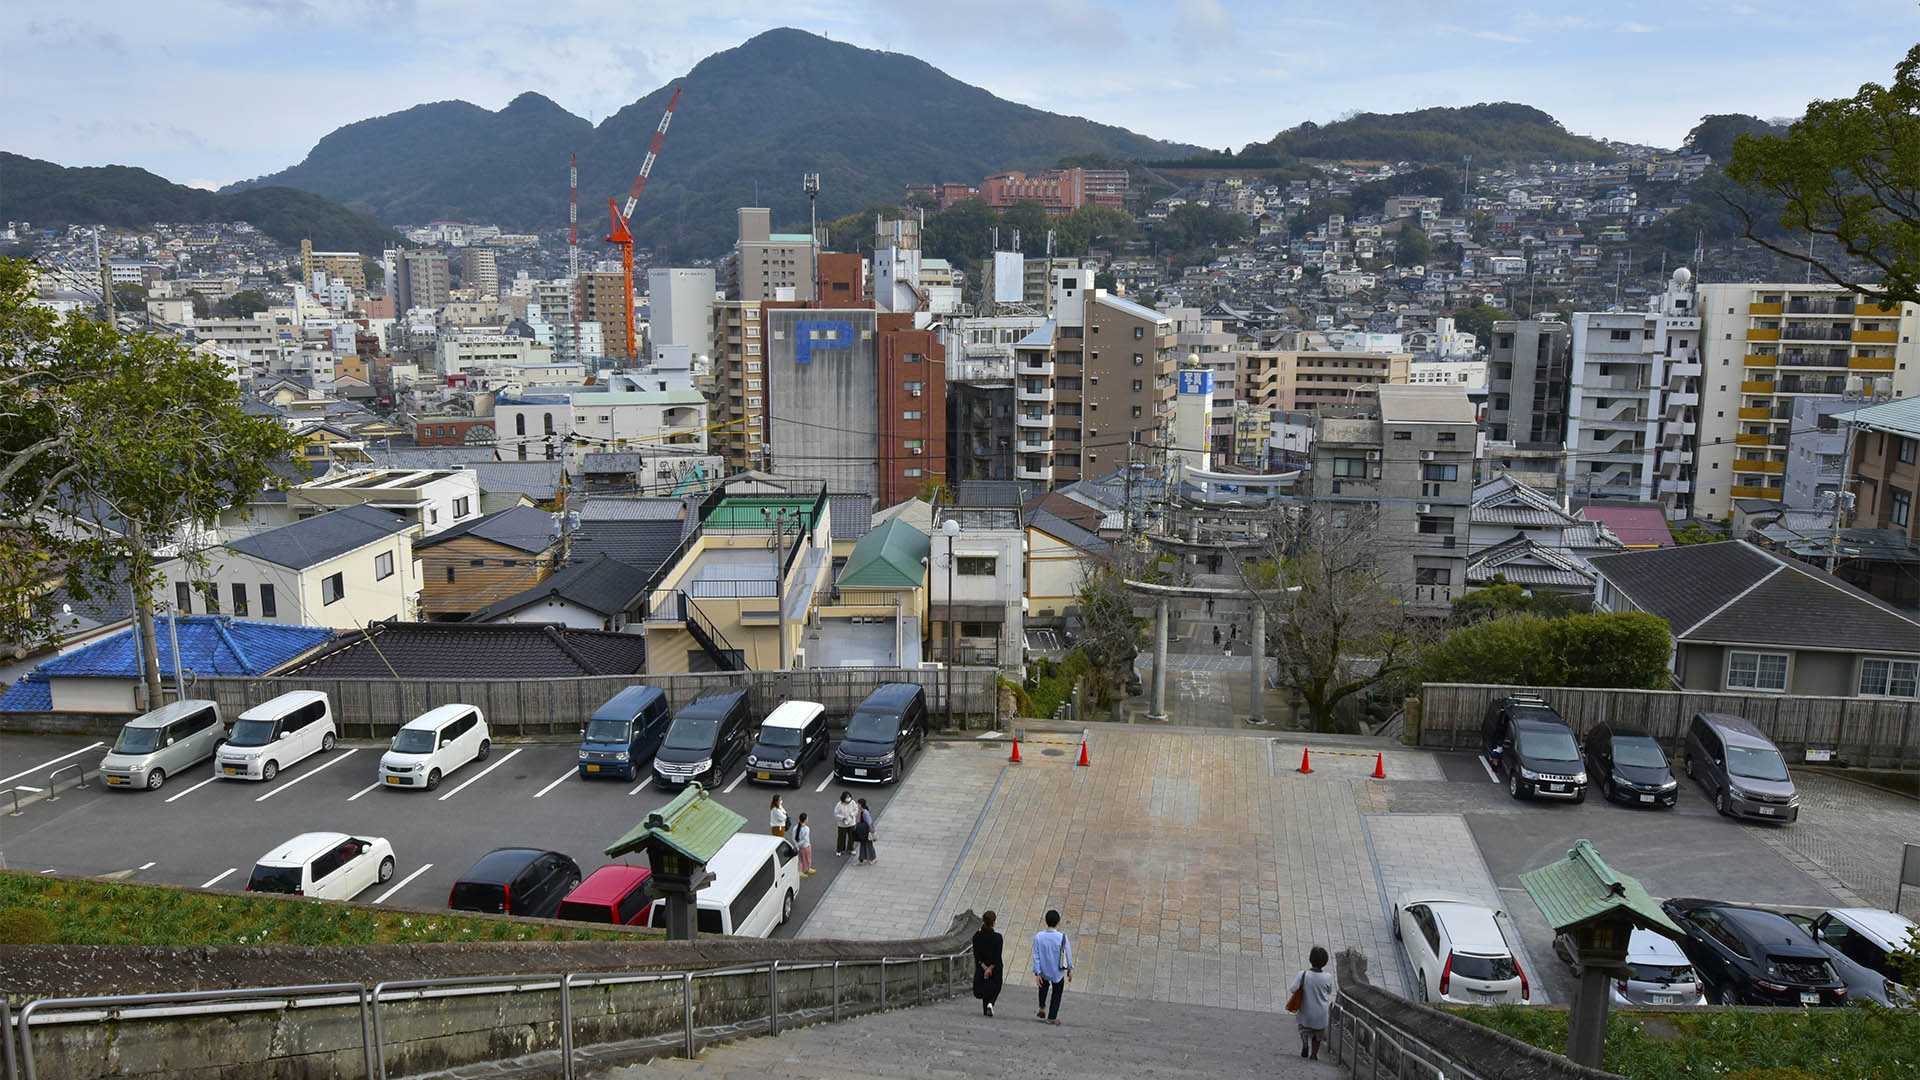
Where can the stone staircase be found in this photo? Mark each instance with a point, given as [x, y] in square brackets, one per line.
[1099, 1037]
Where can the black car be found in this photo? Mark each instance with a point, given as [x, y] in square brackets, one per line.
[1749, 956]
[1630, 766]
[515, 881]
[1532, 748]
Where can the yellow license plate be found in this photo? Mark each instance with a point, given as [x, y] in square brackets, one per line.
[231, 771]
[116, 780]
[393, 779]
[593, 768]
[762, 776]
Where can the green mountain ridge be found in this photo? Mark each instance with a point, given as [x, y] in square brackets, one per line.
[120, 195]
[751, 121]
[1496, 134]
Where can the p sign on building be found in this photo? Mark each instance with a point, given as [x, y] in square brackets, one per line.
[822, 393]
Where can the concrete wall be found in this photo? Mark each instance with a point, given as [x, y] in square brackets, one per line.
[822, 365]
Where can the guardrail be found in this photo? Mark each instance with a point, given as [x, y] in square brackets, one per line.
[808, 1002]
[53, 788]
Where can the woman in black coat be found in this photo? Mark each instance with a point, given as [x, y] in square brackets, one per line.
[987, 966]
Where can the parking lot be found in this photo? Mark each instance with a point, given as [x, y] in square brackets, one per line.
[204, 832]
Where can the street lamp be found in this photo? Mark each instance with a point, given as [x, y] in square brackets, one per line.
[952, 529]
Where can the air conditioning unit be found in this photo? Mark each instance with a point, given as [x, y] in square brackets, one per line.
[916, 393]
[1429, 455]
[1426, 508]
[1373, 455]
[919, 449]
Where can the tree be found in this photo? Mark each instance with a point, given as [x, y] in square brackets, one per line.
[1413, 249]
[1627, 650]
[202, 307]
[241, 305]
[1847, 177]
[130, 297]
[1502, 597]
[1191, 226]
[145, 435]
[1110, 633]
[1478, 320]
[1693, 532]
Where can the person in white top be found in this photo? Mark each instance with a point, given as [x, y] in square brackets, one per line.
[777, 817]
[1316, 999]
[845, 813]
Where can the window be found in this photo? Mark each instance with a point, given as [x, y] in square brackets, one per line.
[1136, 386]
[1908, 450]
[1440, 472]
[1884, 677]
[1402, 436]
[912, 358]
[462, 506]
[914, 388]
[975, 565]
[332, 588]
[1900, 504]
[910, 472]
[211, 594]
[383, 566]
[267, 610]
[1136, 411]
[914, 444]
[979, 629]
[1139, 332]
[520, 424]
[1352, 467]
[1757, 671]
[1138, 359]
[1445, 436]
[910, 414]
[239, 598]
[1439, 526]
[183, 597]
[547, 422]
[1432, 575]
[1623, 335]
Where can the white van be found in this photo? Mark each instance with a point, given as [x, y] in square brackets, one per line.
[275, 734]
[327, 865]
[434, 744]
[755, 879]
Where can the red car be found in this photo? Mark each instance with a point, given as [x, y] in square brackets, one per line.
[615, 893]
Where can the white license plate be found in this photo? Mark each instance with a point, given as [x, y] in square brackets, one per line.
[1552, 787]
[762, 776]
[1808, 998]
[859, 772]
[1766, 809]
[393, 779]
[593, 768]
[117, 780]
[1646, 798]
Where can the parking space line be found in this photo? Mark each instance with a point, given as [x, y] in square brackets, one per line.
[563, 779]
[146, 866]
[404, 882]
[44, 764]
[824, 783]
[349, 752]
[504, 758]
[642, 784]
[194, 788]
[728, 790]
[55, 870]
[363, 791]
[1487, 765]
[28, 790]
[218, 878]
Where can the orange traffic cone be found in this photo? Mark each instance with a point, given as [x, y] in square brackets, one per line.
[1379, 767]
[1015, 759]
[1083, 755]
[1304, 765]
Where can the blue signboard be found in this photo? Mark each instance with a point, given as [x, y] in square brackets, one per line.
[1196, 381]
[812, 334]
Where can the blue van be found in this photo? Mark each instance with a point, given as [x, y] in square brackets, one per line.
[623, 733]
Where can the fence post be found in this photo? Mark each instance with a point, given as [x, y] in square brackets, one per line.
[883, 983]
[836, 991]
[566, 1025]
[773, 998]
[687, 982]
[366, 1034]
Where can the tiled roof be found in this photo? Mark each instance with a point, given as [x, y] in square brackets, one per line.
[312, 541]
[1636, 526]
[30, 693]
[209, 645]
[1506, 501]
[603, 585]
[1899, 417]
[1061, 529]
[849, 517]
[523, 528]
[1523, 562]
[643, 545]
[474, 650]
[1067, 509]
[634, 508]
[893, 556]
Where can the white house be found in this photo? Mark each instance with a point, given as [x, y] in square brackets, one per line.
[987, 604]
[576, 422]
[343, 569]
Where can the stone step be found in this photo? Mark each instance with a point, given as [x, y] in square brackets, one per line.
[1099, 1037]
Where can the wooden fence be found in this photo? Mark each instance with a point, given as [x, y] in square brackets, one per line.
[1866, 732]
[375, 708]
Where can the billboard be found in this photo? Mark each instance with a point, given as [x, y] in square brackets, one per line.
[1009, 277]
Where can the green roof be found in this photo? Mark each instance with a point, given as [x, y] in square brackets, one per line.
[1582, 888]
[693, 824]
[892, 556]
[743, 511]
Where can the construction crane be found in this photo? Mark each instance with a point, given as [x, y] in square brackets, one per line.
[573, 246]
[621, 235]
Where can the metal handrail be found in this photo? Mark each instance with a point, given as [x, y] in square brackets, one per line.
[53, 792]
[378, 1051]
[287, 994]
[1379, 1029]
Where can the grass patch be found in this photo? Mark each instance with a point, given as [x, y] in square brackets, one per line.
[63, 911]
[1861, 1042]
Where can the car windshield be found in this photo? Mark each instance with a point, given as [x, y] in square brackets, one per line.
[609, 731]
[477, 896]
[779, 736]
[137, 740]
[251, 733]
[1638, 751]
[1485, 968]
[1661, 973]
[872, 727]
[1756, 764]
[1549, 744]
[285, 879]
[692, 733]
[413, 741]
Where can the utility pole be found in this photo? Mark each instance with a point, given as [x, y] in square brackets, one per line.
[810, 183]
[778, 518]
[952, 529]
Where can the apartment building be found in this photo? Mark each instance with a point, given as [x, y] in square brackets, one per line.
[568, 424]
[421, 279]
[739, 374]
[480, 272]
[1408, 459]
[1300, 381]
[680, 308]
[980, 405]
[1884, 469]
[1528, 363]
[344, 265]
[1770, 352]
[765, 262]
[603, 302]
[1061, 191]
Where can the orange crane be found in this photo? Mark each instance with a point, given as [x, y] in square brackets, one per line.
[620, 234]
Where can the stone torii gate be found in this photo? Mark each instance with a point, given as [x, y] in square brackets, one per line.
[1163, 594]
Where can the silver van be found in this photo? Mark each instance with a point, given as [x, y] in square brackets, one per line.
[1740, 768]
[165, 742]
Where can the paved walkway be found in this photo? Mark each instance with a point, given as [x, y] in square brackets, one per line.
[1859, 862]
[1099, 1037]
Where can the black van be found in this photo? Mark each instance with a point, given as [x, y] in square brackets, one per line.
[515, 881]
[705, 741]
[623, 733]
[1529, 744]
[892, 721]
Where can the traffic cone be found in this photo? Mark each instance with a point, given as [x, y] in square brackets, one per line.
[1015, 759]
[1379, 767]
[1083, 754]
[1304, 765]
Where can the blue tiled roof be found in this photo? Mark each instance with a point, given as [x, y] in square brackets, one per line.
[31, 694]
[209, 645]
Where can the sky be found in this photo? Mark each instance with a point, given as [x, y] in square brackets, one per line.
[206, 92]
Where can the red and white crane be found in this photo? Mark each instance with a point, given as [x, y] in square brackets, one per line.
[619, 233]
[573, 246]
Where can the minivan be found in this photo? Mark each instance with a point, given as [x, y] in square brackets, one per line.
[515, 881]
[434, 744]
[890, 722]
[159, 744]
[704, 742]
[755, 879]
[1740, 768]
[623, 733]
[1862, 942]
[1529, 744]
[275, 734]
[615, 894]
[327, 865]
[792, 737]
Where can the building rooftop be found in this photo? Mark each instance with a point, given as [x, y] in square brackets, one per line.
[603, 585]
[1899, 417]
[1636, 526]
[1425, 405]
[436, 650]
[521, 527]
[312, 541]
[892, 556]
[209, 645]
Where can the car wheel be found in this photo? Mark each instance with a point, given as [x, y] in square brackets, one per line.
[386, 869]
[270, 770]
[1580, 796]
[486, 747]
[1513, 784]
[1720, 803]
[433, 779]
[786, 908]
[1421, 980]
[1606, 788]
[155, 779]
[1688, 765]
[1728, 997]
[1396, 923]
[326, 742]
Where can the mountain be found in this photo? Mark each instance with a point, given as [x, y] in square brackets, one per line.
[751, 121]
[1498, 134]
[1714, 134]
[50, 194]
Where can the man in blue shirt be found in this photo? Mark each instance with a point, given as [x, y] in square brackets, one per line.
[1052, 967]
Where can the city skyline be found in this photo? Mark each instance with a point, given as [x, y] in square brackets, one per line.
[178, 90]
